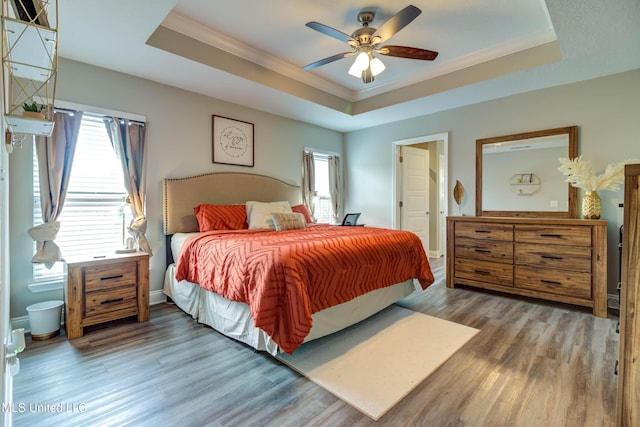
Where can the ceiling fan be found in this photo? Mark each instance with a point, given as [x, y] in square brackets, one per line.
[367, 40]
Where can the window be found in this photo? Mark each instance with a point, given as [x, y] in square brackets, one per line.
[322, 203]
[92, 218]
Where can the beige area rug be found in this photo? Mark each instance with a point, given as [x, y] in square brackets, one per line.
[375, 363]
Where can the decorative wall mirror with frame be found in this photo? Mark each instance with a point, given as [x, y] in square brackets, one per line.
[499, 158]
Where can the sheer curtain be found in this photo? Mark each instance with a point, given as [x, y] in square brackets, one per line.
[55, 157]
[335, 187]
[128, 140]
[308, 182]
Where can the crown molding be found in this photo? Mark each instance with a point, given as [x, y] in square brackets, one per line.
[188, 27]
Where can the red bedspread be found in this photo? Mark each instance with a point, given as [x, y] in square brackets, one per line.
[286, 276]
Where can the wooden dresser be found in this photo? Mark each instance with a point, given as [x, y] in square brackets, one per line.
[562, 260]
[101, 289]
[628, 414]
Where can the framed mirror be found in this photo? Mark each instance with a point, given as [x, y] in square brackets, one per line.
[517, 175]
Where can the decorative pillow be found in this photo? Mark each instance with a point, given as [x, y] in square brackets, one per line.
[304, 211]
[259, 213]
[221, 217]
[288, 221]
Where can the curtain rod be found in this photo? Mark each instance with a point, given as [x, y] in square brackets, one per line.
[71, 111]
[98, 110]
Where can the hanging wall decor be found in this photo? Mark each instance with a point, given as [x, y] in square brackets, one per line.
[232, 141]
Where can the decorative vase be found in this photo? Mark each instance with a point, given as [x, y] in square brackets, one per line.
[458, 195]
[591, 205]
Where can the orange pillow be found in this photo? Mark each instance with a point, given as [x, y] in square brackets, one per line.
[304, 211]
[221, 217]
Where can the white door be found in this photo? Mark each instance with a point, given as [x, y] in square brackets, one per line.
[414, 213]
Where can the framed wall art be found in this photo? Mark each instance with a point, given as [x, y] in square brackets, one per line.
[232, 141]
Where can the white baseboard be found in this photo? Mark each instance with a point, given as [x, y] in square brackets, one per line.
[155, 297]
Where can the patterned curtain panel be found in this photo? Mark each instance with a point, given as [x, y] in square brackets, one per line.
[308, 182]
[128, 140]
[335, 187]
[55, 157]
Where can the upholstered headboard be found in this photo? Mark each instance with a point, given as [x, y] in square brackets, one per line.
[181, 195]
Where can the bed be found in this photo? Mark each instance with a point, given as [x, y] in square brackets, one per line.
[296, 316]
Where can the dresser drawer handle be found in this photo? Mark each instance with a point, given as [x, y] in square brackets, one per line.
[483, 251]
[555, 236]
[111, 301]
[550, 257]
[486, 273]
[551, 282]
[119, 276]
[482, 231]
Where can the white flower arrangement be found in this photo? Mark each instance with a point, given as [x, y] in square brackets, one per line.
[580, 174]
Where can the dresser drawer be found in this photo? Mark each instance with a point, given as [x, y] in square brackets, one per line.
[570, 258]
[486, 231]
[484, 250]
[568, 283]
[108, 301]
[484, 271]
[553, 235]
[100, 277]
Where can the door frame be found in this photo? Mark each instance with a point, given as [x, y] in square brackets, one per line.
[396, 178]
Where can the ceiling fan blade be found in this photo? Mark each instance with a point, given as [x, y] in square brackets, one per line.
[332, 32]
[327, 60]
[408, 52]
[396, 23]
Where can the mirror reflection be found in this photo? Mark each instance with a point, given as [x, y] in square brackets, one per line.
[518, 174]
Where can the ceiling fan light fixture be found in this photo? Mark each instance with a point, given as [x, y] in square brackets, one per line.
[355, 71]
[376, 66]
[365, 42]
[360, 64]
[367, 75]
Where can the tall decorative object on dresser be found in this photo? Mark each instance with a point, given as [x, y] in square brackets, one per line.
[628, 413]
[557, 259]
[101, 289]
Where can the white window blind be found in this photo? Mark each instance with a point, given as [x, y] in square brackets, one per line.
[322, 203]
[91, 221]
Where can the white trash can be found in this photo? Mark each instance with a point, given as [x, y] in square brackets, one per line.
[44, 318]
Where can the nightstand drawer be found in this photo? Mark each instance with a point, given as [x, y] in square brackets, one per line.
[114, 299]
[109, 276]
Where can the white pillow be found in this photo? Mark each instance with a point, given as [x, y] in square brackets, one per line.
[259, 213]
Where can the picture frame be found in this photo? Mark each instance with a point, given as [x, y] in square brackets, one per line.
[232, 141]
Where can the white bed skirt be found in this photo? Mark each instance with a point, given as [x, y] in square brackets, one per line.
[234, 320]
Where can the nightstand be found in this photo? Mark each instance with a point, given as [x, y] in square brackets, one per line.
[101, 289]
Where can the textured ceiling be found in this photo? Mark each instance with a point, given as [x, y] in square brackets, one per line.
[251, 52]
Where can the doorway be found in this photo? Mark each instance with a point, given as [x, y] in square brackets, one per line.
[438, 200]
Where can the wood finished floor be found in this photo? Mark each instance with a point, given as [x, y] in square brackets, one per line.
[532, 364]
